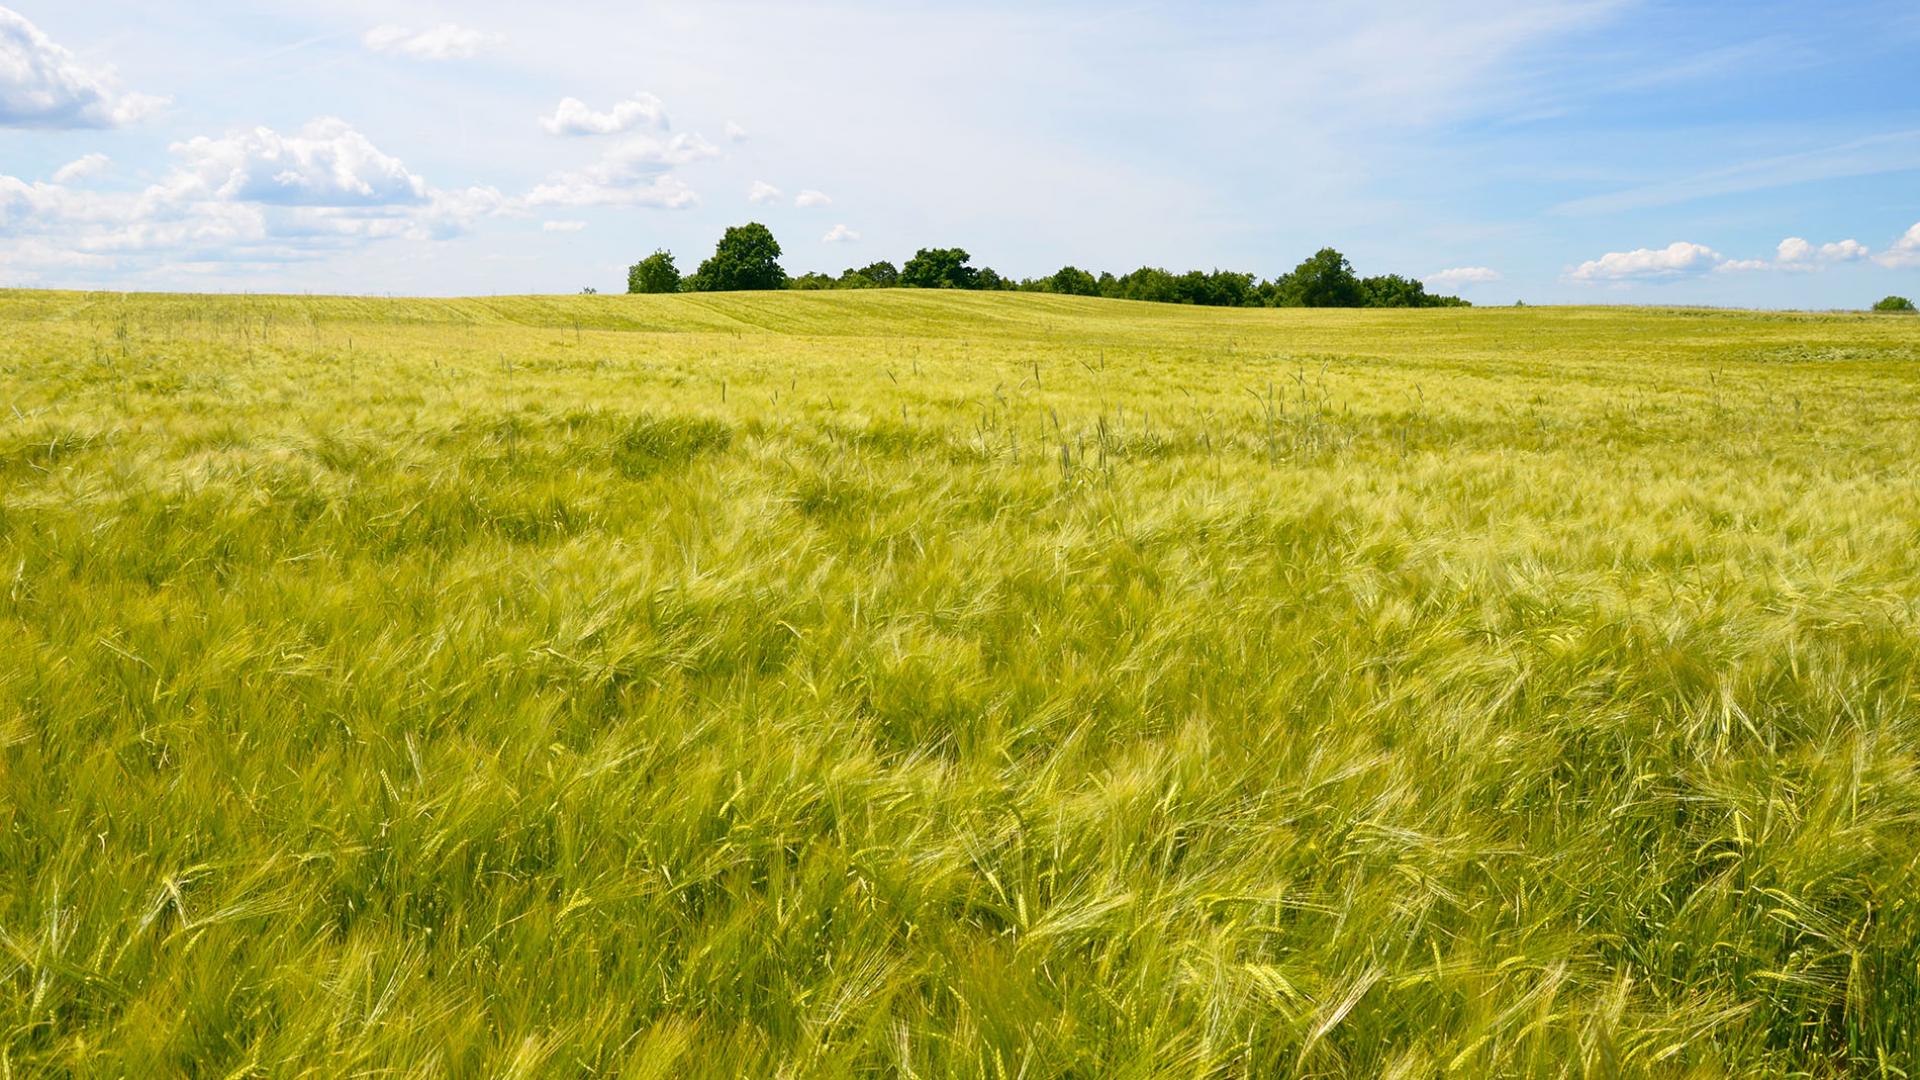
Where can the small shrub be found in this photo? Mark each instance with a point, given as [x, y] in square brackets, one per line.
[1898, 305]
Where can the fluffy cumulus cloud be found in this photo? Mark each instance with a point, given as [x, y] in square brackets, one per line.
[1463, 275]
[1905, 251]
[1799, 253]
[574, 117]
[735, 133]
[448, 41]
[254, 198]
[808, 199]
[42, 85]
[247, 198]
[1678, 259]
[762, 193]
[840, 234]
[327, 164]
[1795, 251]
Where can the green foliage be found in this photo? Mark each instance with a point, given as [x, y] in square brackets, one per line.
[1896, 304]
[1324, 279]
[747, 258]
[883, 274]
[950, 684]
[1073, 281]
[879, 275]
[940, 268]
[1394, 291]
[654, 274]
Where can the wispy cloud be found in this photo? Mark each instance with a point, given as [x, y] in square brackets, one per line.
[447, 41]
[1463, 275]
[1892, 152]
[635, 172]
[81, 167]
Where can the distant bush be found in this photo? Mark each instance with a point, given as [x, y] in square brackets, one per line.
[1898, 305]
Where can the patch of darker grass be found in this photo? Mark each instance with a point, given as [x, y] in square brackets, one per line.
[653, 445]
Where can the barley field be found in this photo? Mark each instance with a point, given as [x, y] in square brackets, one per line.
[922, 684]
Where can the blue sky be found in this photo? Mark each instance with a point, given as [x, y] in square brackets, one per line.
[1558, 151]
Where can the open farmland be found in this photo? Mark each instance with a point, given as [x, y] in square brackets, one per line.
[931, 684]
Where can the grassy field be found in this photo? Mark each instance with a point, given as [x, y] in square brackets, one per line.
[924, 685]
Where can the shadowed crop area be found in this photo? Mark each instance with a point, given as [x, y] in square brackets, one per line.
[928, 684]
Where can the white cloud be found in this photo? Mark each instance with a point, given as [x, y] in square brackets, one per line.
[562, 226]
[573, 117]
[1463, 275]
[735, 133]
[447, 41]
[762, 193]
[1797, 253]
[1649, 264]
[811, 199]
[80, 168]
[571, 189]
[839, 234]
[327, 164]
[636, 172]
[253, 198]
[1844, 251]
[42, 85]
[1905, 251]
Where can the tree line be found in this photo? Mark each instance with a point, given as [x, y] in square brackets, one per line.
[748, 257]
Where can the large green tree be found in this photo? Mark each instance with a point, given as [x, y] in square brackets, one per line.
[940, 268]
[1895, 304]
[747, 257]
[654, 274]
[1325, 279]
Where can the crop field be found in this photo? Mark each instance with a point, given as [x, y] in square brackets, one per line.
[925, 684]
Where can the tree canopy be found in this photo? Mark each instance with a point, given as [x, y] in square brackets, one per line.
[1896, 304]
[1324, 279]
[747, 257]
[654, 274]
[940, 268]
